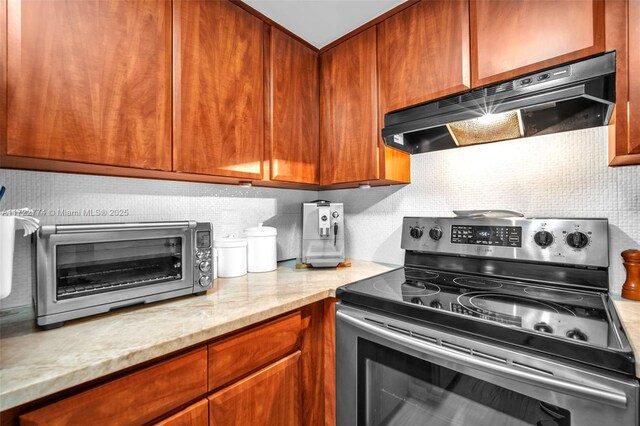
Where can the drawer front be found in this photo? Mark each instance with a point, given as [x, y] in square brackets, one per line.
[194, 415]
[134, 399]
[241, 354]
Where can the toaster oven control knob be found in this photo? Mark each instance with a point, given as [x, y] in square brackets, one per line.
[205, 266]
[543, 238]
[204, 281]
[577, 240]
[435, 233]
[576, 335]
[543, 327]
[416, 232]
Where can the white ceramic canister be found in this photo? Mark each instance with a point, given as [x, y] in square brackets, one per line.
[261, 249]
[232, 256]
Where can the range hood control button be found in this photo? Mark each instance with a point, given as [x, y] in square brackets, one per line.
[543, 76]
[577, 240]
[435, 233]
[525, 81]
[543, 238]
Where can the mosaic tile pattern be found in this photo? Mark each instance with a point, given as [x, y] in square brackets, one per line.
[230, 209]
[562, 175]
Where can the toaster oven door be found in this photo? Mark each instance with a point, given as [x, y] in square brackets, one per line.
[87, 271]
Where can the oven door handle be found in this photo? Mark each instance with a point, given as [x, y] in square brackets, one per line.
[109, 227]
[548, 382]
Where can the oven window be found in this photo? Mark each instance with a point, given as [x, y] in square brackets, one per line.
[399, 389]
[86, 269]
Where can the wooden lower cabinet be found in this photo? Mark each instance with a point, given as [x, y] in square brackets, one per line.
[272, 396]
[274, 373]
[194, 415]
[133, 399]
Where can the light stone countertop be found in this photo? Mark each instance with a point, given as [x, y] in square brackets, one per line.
[34, 363]
[629, 313]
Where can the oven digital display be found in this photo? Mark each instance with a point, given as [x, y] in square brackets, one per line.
[505, 236]
[203, 239]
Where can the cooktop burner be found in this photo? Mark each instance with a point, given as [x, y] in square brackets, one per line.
[474, 282]
[537, 316]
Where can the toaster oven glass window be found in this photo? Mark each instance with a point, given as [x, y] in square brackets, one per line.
[86, 269]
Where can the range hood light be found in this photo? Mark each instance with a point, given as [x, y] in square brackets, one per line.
[487, 128]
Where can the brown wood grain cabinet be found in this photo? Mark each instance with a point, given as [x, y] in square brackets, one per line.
[351, 149]
[423, 53]
[89, 81]
[217, 89]
[134, 399]
[514, 37]
[294, 115]
[623, 36]
[349, 129]
[194, 415]
[270, 397]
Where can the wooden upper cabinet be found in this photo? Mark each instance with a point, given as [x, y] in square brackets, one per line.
[294, 119]
[217, 89]
[90, 81]
[423, 53]
[514, 37]
[348, 104]
[270, 397]
[634, 80]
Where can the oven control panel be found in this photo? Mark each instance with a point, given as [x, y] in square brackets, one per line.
[582, 242]
[507, 236]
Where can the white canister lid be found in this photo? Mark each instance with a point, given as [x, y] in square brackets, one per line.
[230, 241]
[261, 231]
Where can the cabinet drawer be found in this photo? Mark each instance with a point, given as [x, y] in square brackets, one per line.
[134, 399]
[238, 355]
[194, 415]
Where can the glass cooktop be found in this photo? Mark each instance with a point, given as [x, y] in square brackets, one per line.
[577, 325]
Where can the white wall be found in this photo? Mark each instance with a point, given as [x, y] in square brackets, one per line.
[562, 175]
[230, 208]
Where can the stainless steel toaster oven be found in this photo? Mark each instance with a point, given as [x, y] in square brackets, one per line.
[88, 269]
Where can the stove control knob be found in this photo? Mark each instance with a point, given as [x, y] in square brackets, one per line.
[436, 304]
[577, 240]
[576, 335]
[543, 238]
[543, 327]
[416, 232]
[417, 301]
[435, 233]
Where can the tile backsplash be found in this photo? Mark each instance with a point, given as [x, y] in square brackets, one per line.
[230, 209]
[562, 175]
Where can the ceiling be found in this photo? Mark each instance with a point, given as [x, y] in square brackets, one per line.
[322, 21]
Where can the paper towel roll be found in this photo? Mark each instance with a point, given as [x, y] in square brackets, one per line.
[7, 240]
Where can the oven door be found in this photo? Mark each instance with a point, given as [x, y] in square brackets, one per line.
[87, 269]
[396, 372]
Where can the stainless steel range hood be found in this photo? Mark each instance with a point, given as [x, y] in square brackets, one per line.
[574, 96]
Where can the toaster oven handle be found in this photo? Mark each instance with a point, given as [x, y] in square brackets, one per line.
[555, 384]
[109, 227]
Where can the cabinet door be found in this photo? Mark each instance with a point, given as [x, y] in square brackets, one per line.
[634, 78]
[218, 89]
[349, 125]
[194, 415]
[269, 397]
[90, 81]
[423, 53]
[294, 119]
[514, 37]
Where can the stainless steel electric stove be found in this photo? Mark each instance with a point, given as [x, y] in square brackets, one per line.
[511, 307]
